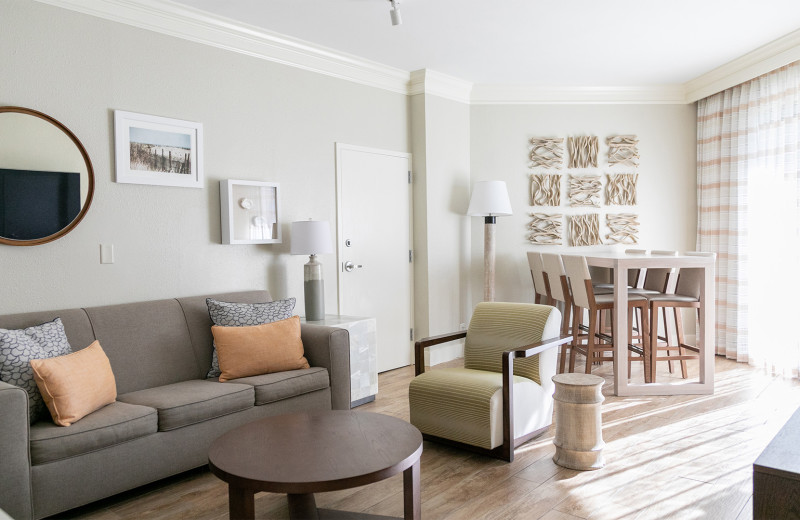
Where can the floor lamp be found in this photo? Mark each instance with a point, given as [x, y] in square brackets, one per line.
[312, 237]
[489, 199]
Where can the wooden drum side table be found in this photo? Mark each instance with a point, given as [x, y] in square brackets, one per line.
[305, 453]
[579, 424]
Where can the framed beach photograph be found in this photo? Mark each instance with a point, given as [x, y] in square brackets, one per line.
[158, 150]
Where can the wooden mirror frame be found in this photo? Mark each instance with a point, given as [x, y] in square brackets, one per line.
[89, 171]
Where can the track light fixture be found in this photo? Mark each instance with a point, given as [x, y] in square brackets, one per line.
[395, 13]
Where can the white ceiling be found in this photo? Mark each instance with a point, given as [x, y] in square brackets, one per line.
[612, 43]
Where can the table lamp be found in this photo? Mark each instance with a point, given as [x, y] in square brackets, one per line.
[312, 237]
[489, 199]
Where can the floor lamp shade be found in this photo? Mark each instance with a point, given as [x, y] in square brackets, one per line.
[489, 199]
[312, 237]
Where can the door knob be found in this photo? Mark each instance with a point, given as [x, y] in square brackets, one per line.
[349, 266]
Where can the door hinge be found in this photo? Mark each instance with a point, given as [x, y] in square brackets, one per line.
[410, 256]
[409, 176]
[411, 335]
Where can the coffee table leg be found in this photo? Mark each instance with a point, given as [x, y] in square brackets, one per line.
[241, 503]
[412, 507]
[302, 506]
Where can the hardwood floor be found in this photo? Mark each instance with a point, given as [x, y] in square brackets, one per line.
[666, 457]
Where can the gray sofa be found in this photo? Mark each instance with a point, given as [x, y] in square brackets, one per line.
[166, 414]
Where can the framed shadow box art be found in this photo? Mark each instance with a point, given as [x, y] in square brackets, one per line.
[249, 212]
[158, 150]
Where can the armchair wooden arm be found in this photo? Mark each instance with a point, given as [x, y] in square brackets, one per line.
[509, 442]
[421, 345]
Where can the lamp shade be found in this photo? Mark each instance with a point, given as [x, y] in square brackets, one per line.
[311, 237]
[489, 199]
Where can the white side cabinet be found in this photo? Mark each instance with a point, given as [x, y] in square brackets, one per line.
[363, 355]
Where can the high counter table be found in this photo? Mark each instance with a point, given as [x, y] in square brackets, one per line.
[620, 263]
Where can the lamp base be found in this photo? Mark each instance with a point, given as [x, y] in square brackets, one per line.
[314, 290]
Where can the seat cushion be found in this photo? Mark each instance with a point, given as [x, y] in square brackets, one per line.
[609, 298]
[466, 406]
[113, 424]
[282, 385]
[191, 402]
[672, 298]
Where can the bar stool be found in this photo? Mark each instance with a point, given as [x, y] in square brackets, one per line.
[556, 281]
[537, 273]
[583, 297]
[687, 294]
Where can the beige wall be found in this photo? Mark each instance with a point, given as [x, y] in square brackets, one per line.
[262, 121]
[666, 189]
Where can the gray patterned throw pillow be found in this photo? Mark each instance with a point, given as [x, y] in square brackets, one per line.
[227, 314]
[18, 347]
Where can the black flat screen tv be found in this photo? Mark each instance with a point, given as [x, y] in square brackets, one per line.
[37, 204]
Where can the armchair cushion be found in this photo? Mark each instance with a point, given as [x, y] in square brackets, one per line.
[495, 328]
[466, 406]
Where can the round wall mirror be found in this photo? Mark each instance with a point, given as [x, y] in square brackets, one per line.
[46, 178]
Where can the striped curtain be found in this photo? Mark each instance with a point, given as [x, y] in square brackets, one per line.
[748, 199]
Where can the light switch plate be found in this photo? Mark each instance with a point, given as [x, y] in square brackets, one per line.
[106, 253]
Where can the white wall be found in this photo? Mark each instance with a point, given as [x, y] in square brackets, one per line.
[666, 189]
[262, 121]
[441, 130]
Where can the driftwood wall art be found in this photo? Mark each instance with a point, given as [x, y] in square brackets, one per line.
[623, 150]
[584, 230]
[584, 190]
[545, 189]
[582, 151]
[621, 189]
[547, 152]
[623, 228]
[545, 228]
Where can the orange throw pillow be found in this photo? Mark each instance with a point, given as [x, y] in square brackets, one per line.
[75, 385]
[259, 349]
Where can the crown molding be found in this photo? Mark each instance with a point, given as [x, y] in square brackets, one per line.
[533, 95]
[428, 81]
[180, 21]
[766, 58]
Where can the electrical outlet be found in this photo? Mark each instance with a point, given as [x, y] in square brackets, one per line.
[106, 253]
[462, 326]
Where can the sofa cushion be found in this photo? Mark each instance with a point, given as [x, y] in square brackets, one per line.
[18, 347]
[282, 385]
[192, 402]
[75, 385]
[113, 424]
[260, 349]
[232, 314]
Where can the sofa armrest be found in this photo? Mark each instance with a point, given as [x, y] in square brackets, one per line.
[15, 471]
[329, 347]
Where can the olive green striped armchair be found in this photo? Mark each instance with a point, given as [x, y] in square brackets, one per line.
[482, 407]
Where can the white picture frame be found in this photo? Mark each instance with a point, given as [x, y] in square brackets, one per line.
[250, 212]
[158, 150]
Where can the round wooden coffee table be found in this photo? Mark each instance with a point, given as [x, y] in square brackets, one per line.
[306, 453]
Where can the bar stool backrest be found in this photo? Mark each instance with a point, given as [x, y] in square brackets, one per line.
[537, 272]
[636, 251]
[691, 278]
[656, 278]
[663, 252]
[554, 270]
[578, 272]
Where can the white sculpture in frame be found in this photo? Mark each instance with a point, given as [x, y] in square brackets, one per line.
[249, 212]
[545, 228]
[623, 150]
[584, 230]
[623, 228]
[584, 190]
[547, 152]
[621, 189]
[582, 151]
[545, 189]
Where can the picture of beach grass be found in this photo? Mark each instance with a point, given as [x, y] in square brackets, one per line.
[159, 151]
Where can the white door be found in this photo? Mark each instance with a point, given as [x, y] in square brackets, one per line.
[374, 240]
